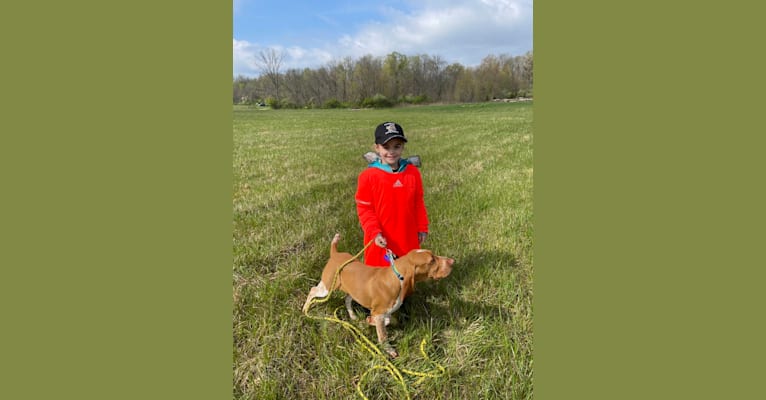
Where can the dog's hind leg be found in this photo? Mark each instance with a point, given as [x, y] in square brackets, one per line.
[349, 307]
[320, 290]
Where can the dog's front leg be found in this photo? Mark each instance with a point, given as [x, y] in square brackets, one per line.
[380, 327]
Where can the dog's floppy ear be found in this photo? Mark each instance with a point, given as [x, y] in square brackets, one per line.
[422, 261]
[422, 257]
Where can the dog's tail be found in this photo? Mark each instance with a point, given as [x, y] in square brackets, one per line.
[334, 244]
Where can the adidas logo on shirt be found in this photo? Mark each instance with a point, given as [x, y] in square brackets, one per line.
[398, 183]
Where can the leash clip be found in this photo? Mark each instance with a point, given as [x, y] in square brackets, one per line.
[390, 258]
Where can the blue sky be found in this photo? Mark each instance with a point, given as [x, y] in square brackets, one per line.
[311, 34]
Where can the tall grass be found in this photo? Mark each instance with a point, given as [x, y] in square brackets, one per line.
[294, 183]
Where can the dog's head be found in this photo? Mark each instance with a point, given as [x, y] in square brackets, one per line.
[426, 265]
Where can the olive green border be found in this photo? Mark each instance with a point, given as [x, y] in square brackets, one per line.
[117, 208]
[648, 200]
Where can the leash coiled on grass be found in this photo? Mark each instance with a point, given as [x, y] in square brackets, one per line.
[368, 345]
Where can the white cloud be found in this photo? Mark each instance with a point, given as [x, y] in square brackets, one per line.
[244, 58]
[458, 31]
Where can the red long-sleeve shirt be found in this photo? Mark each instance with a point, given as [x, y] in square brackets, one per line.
[392, 204]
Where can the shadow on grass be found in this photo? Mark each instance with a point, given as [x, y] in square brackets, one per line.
[442, 299]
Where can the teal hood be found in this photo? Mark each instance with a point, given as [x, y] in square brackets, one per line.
[403, 163]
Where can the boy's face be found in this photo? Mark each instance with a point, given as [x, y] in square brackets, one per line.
[391, 151]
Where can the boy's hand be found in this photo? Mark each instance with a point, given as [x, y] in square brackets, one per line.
[380, 240]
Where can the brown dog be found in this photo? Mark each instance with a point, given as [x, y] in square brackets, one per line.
[378, 289]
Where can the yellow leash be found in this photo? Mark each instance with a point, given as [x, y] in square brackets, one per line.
[368, 345]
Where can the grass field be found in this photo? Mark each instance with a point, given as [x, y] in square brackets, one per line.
[294, 183]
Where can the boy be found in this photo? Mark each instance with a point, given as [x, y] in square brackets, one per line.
[389, 199]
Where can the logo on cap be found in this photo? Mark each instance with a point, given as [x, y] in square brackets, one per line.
[387, 131]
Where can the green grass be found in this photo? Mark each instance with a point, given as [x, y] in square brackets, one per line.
[294, 183]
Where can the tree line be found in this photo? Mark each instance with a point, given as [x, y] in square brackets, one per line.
[384, 81]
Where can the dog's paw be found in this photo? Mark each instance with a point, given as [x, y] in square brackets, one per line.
[390, 350]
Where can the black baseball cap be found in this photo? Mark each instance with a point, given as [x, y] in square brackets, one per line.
[387, 131]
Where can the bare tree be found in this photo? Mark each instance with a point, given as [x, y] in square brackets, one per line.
[435, 79]
[528, 71]
[269, 62]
